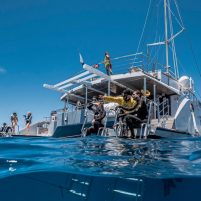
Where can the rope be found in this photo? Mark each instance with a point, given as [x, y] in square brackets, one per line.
[180, 24]
[177, 7]
[173, 46]
[194, 56]
[145, 23]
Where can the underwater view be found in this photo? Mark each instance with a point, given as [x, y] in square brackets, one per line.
[99, 168]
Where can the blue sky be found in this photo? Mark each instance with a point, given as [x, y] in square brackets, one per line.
[40, 42]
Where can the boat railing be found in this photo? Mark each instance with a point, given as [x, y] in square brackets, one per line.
[146, 126]
[125, 64]
[164, 108]
[156, 110]
[83, 132]
[103, 130]
[134, 63]
[159, 111]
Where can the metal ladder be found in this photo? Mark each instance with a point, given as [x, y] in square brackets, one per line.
[80, 185]
[130, 189]
[83, 131]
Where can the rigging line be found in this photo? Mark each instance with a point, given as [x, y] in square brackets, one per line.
[174, 16]
[194, 56]
[177, 7]
[173, 46]
[144, 38]
[185, 72]
[159, 3]
[155, 55]
[156, 34]
[157, 23]
[145, 23]
[197, 92]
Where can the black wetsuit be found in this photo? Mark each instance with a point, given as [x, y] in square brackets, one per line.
[5, 129]
[28, 119]
[99, 114]
[136, 115]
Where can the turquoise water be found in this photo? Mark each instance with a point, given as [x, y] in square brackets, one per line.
[163, 163]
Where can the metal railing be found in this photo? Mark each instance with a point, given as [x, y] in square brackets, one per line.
[125, 64]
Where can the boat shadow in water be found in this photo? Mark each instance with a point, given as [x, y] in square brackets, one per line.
[53, 186]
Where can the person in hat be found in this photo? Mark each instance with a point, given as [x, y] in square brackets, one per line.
[14, 120]
[108, 64]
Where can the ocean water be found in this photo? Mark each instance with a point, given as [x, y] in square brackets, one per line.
[99, 168]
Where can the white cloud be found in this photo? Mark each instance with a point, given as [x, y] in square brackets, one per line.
[2, 70]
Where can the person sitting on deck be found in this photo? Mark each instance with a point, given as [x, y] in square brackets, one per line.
[126, 103]
[133, 107]
[99, 115]
[5, 129]
[134, 117]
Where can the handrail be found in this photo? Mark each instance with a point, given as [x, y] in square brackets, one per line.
[83, 134]
[160, 117]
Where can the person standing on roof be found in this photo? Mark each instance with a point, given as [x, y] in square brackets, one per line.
[108, 65]
[14, 121]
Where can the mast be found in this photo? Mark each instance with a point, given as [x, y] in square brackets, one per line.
[166, 36]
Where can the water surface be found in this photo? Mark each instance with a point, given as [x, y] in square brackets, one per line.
[102, 156]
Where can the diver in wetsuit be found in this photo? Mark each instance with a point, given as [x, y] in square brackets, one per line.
[133, 107]
[135, 115]
[5, 129]
[99, 115]
[28, 119]
[126, 103]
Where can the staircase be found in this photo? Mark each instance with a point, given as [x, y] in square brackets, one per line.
[166, 122]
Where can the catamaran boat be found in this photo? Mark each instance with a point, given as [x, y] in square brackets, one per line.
[173, 108]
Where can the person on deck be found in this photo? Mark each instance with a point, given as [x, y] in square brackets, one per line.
[14, 121]
[5, 129]
[78, 105]
[126, 103]
[99, 115]
[141, 108]
[108, 65]
[28, 119]
[136, 115]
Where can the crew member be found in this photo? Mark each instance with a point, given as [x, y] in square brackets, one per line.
[108, 64]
